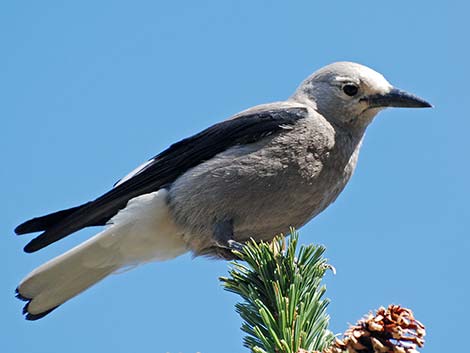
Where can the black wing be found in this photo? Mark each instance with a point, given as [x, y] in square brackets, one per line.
[164, 168]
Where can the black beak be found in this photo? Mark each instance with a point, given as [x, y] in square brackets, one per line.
[396, 98]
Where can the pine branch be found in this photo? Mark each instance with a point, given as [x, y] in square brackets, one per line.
[284, 310]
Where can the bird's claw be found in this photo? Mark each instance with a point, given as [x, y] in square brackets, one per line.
[235, 245]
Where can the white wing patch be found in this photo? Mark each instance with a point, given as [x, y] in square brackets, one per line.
[136, 171]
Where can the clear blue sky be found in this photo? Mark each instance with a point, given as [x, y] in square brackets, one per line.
[90, 89]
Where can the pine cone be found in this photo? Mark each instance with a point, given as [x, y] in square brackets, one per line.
[391, 330]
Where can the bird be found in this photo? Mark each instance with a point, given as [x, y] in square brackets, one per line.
[253, 176]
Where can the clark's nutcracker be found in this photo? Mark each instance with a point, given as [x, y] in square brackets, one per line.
[254, 175]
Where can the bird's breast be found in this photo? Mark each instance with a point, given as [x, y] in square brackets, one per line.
[265, 188]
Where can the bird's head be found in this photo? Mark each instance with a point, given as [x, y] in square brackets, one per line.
[352, 94]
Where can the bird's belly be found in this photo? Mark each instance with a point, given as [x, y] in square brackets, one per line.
[291, 203]
[262, 196]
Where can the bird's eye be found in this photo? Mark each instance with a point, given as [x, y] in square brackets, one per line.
[350, 89]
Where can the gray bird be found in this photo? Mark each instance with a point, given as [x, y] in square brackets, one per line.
[254, 175]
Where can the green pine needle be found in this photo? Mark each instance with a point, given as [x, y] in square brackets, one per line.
[282, 308]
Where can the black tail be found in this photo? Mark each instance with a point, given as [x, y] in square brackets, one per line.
[57, 225]
[43, 223]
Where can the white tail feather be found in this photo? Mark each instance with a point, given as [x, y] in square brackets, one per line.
[141, 232]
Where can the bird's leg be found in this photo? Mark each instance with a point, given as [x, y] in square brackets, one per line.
[223, 236]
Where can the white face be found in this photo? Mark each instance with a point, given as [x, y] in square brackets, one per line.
[352, 94]
[352, 90]
[340, 90]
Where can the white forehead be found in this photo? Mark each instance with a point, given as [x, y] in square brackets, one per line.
[349, 71]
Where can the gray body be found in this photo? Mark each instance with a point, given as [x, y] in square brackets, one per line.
[266, 169]
[282, 181]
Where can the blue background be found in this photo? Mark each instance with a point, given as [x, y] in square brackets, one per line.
[90, 89]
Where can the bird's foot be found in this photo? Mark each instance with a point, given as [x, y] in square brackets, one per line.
[235, 245]
[223, 236]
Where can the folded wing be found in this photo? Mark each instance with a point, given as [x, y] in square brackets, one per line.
[245, 128]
